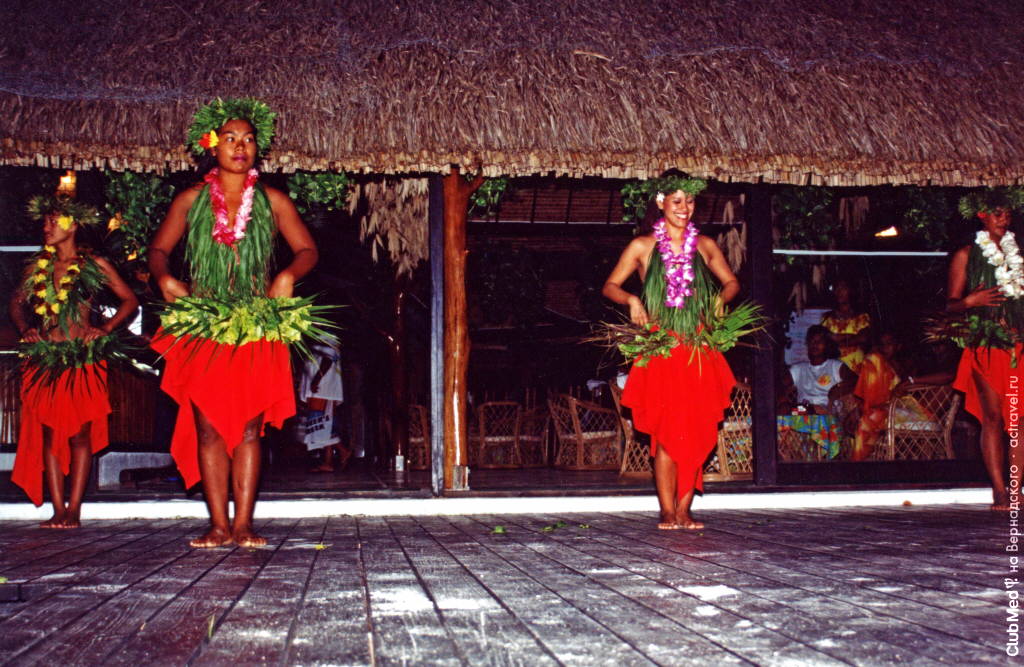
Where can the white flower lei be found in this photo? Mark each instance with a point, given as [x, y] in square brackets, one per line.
[1006, 258]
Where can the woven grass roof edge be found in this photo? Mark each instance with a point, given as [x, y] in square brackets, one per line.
[781, 169]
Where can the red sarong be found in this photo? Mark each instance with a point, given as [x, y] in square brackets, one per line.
[230, 384]
[77, 397]
[994, 365]
[679, 402]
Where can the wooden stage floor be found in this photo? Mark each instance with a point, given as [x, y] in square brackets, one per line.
[864, 586]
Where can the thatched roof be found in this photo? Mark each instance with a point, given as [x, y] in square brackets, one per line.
[847, 93]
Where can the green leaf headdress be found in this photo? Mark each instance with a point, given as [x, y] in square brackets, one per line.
[638, 194]
[42, 206]
[212, 116]
[991, 199]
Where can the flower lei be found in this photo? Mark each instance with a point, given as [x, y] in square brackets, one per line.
[678, 266]
[222, 231]
[46, 299]
[1006, 258]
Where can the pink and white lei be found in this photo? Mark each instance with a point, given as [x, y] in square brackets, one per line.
[678, 266]
[222, 231]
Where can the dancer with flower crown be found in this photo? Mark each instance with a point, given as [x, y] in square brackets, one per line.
[224, 335]
[64, 398]
[677, 395]
[986, 289]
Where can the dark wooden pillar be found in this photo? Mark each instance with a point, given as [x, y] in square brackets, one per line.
[759, 219]
[435, 217]
[457, 191]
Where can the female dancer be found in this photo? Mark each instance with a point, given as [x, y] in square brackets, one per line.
[225, 391]
[64, 397]
[679, 399]
[989, 272]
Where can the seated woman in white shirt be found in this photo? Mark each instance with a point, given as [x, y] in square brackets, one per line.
[823, 378]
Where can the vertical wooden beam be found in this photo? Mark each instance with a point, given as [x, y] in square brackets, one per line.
[759, 218]
[456, 330]
[435, 218]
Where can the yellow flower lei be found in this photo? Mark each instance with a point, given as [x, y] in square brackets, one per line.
[45, 298]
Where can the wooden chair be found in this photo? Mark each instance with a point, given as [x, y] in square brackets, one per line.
[733, 456]
[636, 457]
[419, 437]
[927, 434]
[497, 438]
[588, 434]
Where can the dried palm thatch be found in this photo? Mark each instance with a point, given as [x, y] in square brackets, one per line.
[395, 220]
[793, 91]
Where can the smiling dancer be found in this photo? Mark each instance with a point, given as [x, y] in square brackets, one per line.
[226, 390]
[678, 399]
[986, 278]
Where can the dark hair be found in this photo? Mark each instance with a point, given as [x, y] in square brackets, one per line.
[831, 348]
[206, 161]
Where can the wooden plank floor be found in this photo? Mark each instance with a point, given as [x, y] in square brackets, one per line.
[866, 586]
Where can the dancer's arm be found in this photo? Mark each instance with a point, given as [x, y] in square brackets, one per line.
[129, 302]
[170, 232]
[715, 260]
[631, 260]
[295, 233]
[956, 301]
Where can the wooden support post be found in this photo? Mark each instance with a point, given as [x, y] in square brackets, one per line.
[759, 220]
[457, 191]
[435, 218]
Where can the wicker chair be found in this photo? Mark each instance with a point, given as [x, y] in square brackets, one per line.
[636, 458]
[10, 398]
[419, 437]
[927, 437]
[588, 434]
[533, 438]
[735, 442]
[497, 438]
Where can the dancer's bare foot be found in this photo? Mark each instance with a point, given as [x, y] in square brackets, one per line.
[323, 467]
[55, 521]
[687, 522]
[667, 522]
[999, 508]
[72, 518]
[245, 537]
[216, 537]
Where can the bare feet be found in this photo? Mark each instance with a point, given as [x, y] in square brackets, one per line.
[55, 521]
[217, 537]
[71, 518]
[687, 522]
[245, 537]
[999, 508]
[323, 467]
[667, 521]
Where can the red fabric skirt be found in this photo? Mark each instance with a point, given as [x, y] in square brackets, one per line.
[77, 397]
[679, 401]
[230, 384]
[995, 366]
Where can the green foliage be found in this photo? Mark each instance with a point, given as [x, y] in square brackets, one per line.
[804, 218]
[925, 214]
[636, 195]
[136, 204]
[487, 196]
[640, 347]
[987, 200]
[46, 361]
[237, 322]
[506, 285]
[318, 190]
[41, 206]
[970, 330]
[216, 113]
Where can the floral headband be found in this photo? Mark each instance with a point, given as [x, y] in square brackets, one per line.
[202, 133]
[990, 200]
[68, 211]
[636, 195]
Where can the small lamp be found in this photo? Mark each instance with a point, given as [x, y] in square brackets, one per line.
[66, 188]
